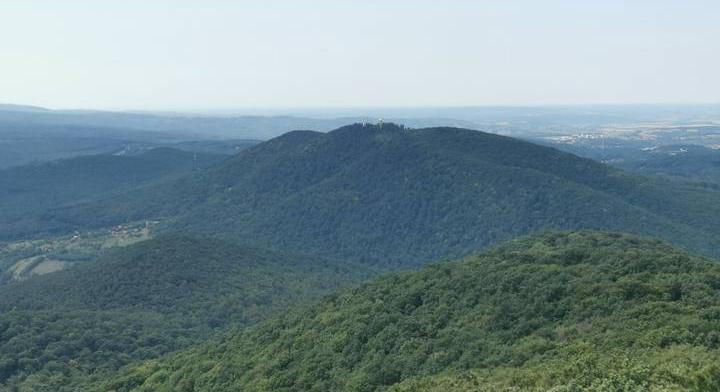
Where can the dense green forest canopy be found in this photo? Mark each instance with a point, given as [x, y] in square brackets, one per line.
[387, 194]
[145, 300]
[560, 311]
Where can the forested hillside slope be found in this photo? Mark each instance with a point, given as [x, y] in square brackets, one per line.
[561, 311]
[27, 192]
[391, 195]
[144, 300]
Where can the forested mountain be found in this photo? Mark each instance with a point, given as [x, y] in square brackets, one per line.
[26, 192]
[145, 300]
[560, 311]
[383, 193]
[170, 124]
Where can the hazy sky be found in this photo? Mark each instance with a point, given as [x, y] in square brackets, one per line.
[156, 54]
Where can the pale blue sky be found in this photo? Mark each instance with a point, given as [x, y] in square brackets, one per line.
[232, 54]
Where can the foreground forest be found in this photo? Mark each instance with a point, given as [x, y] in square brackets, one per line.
[560, 311]
[145, 300]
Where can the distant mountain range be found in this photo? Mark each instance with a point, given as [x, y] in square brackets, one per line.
[34, 134]
[192, 125]
[30, 133]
